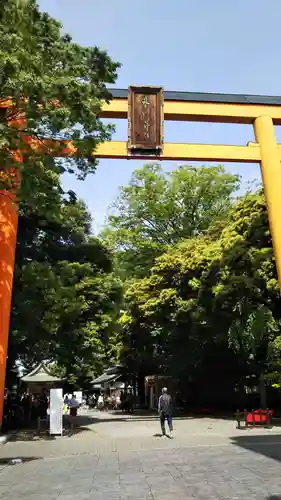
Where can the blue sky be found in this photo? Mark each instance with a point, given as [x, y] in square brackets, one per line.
[203, 46]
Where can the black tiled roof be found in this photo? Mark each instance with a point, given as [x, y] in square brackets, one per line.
[202, 97]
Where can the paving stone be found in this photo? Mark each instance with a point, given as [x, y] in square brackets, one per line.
[106, 464]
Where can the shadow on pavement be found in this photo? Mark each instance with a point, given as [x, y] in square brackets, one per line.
[274, 497]
[162, 436]
[269, 446]
[31, 435]
[17, 460]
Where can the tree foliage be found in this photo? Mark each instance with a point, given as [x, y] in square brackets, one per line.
[207, 302]
[57, 84]
[158, 209]
[65, 298]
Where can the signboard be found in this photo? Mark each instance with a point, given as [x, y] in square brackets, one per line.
[56, 411]
[145, 120]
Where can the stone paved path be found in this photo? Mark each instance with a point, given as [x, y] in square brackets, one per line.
[116, 459]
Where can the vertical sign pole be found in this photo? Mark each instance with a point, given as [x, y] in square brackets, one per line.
[271, 176]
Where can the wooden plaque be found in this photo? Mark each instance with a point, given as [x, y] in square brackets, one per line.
[145, 120]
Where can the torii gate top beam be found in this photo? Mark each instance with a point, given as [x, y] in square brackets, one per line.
[201, 107]
[172, 95]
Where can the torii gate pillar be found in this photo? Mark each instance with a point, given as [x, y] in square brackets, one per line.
[271, 176]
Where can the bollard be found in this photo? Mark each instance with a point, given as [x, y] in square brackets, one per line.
[253, 415]
[268, 418]
[238, 419]
[246, 417]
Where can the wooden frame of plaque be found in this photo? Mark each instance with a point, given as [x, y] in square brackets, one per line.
[145, 120]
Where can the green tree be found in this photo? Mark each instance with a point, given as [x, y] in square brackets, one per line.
[65, 298]
[167, 328]
[186, 315]
[158, 209]
[61, 272]
[247, 289]
[57, 84]
[252, 336]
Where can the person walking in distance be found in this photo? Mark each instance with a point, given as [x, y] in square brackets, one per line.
[165, 411]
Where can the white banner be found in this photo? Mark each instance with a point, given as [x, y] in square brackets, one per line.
[56, 411]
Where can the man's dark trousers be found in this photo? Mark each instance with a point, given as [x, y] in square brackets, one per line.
[163, 417]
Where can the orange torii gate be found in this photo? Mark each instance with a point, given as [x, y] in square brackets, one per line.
[146, 109]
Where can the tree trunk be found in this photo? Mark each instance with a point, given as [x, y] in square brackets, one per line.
[262, 389]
